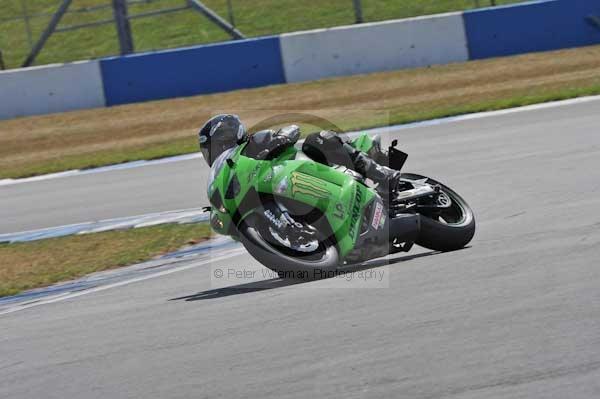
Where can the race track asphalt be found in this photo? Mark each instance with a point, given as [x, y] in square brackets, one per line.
[515, 315]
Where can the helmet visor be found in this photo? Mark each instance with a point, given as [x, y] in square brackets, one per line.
[211, 149]
[206, 154]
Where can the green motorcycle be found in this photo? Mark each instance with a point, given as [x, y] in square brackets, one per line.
[299, 217]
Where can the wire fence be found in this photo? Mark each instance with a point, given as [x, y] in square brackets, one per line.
[88, 28]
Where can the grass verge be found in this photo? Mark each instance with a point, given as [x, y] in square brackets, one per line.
[82, 139]
[41, 263]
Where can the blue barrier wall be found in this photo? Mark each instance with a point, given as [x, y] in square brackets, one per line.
[530, 27]
[190, 71]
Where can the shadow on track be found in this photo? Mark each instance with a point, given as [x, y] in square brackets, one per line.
[279, 283]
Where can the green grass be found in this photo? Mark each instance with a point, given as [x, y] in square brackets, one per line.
[41, 263]
[399, 117]
[252, 17]
[102, 158]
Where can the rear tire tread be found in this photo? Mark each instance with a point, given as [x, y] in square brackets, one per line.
[439, 236]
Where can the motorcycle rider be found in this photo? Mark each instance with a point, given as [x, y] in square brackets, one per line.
[226, 131]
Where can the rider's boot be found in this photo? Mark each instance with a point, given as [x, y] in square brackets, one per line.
[377, 154]
[387, 180]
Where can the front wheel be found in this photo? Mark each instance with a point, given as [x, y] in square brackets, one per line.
[445, 229]
[308, 262]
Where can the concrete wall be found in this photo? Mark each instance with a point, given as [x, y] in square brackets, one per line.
[530, 27]
[194, 70]
[374, 47]
[51, 88]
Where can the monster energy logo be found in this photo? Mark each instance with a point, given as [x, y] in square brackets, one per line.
[308, 185]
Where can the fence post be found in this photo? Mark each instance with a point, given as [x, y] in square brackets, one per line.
[47, 32]
[123, 27]
[358, 11]
[230, 12]
[215, 18]
[27, 23]
[2, 66]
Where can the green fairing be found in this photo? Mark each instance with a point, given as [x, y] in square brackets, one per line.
[363, 143]
[338, 195]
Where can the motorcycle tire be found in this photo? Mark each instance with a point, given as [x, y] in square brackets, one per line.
[284, 265]
[446, 235]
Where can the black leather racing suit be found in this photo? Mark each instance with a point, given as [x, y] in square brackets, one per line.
[326, 147]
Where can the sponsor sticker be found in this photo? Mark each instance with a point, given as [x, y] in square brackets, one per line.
[282, 186]
[355, 211]
[377, 215]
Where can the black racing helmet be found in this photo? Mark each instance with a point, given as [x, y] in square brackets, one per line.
[219, 134]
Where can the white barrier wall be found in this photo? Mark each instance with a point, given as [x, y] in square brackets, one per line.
[374, 47]
[51, 88]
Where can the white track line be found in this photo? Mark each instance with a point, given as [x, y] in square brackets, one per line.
[180, 216]
[65, 296]
[379, 130]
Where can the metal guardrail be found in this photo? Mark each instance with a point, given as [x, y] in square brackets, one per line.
[120, 18]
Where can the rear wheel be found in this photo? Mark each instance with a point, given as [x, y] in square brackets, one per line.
[446, 229]
[308, 261]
